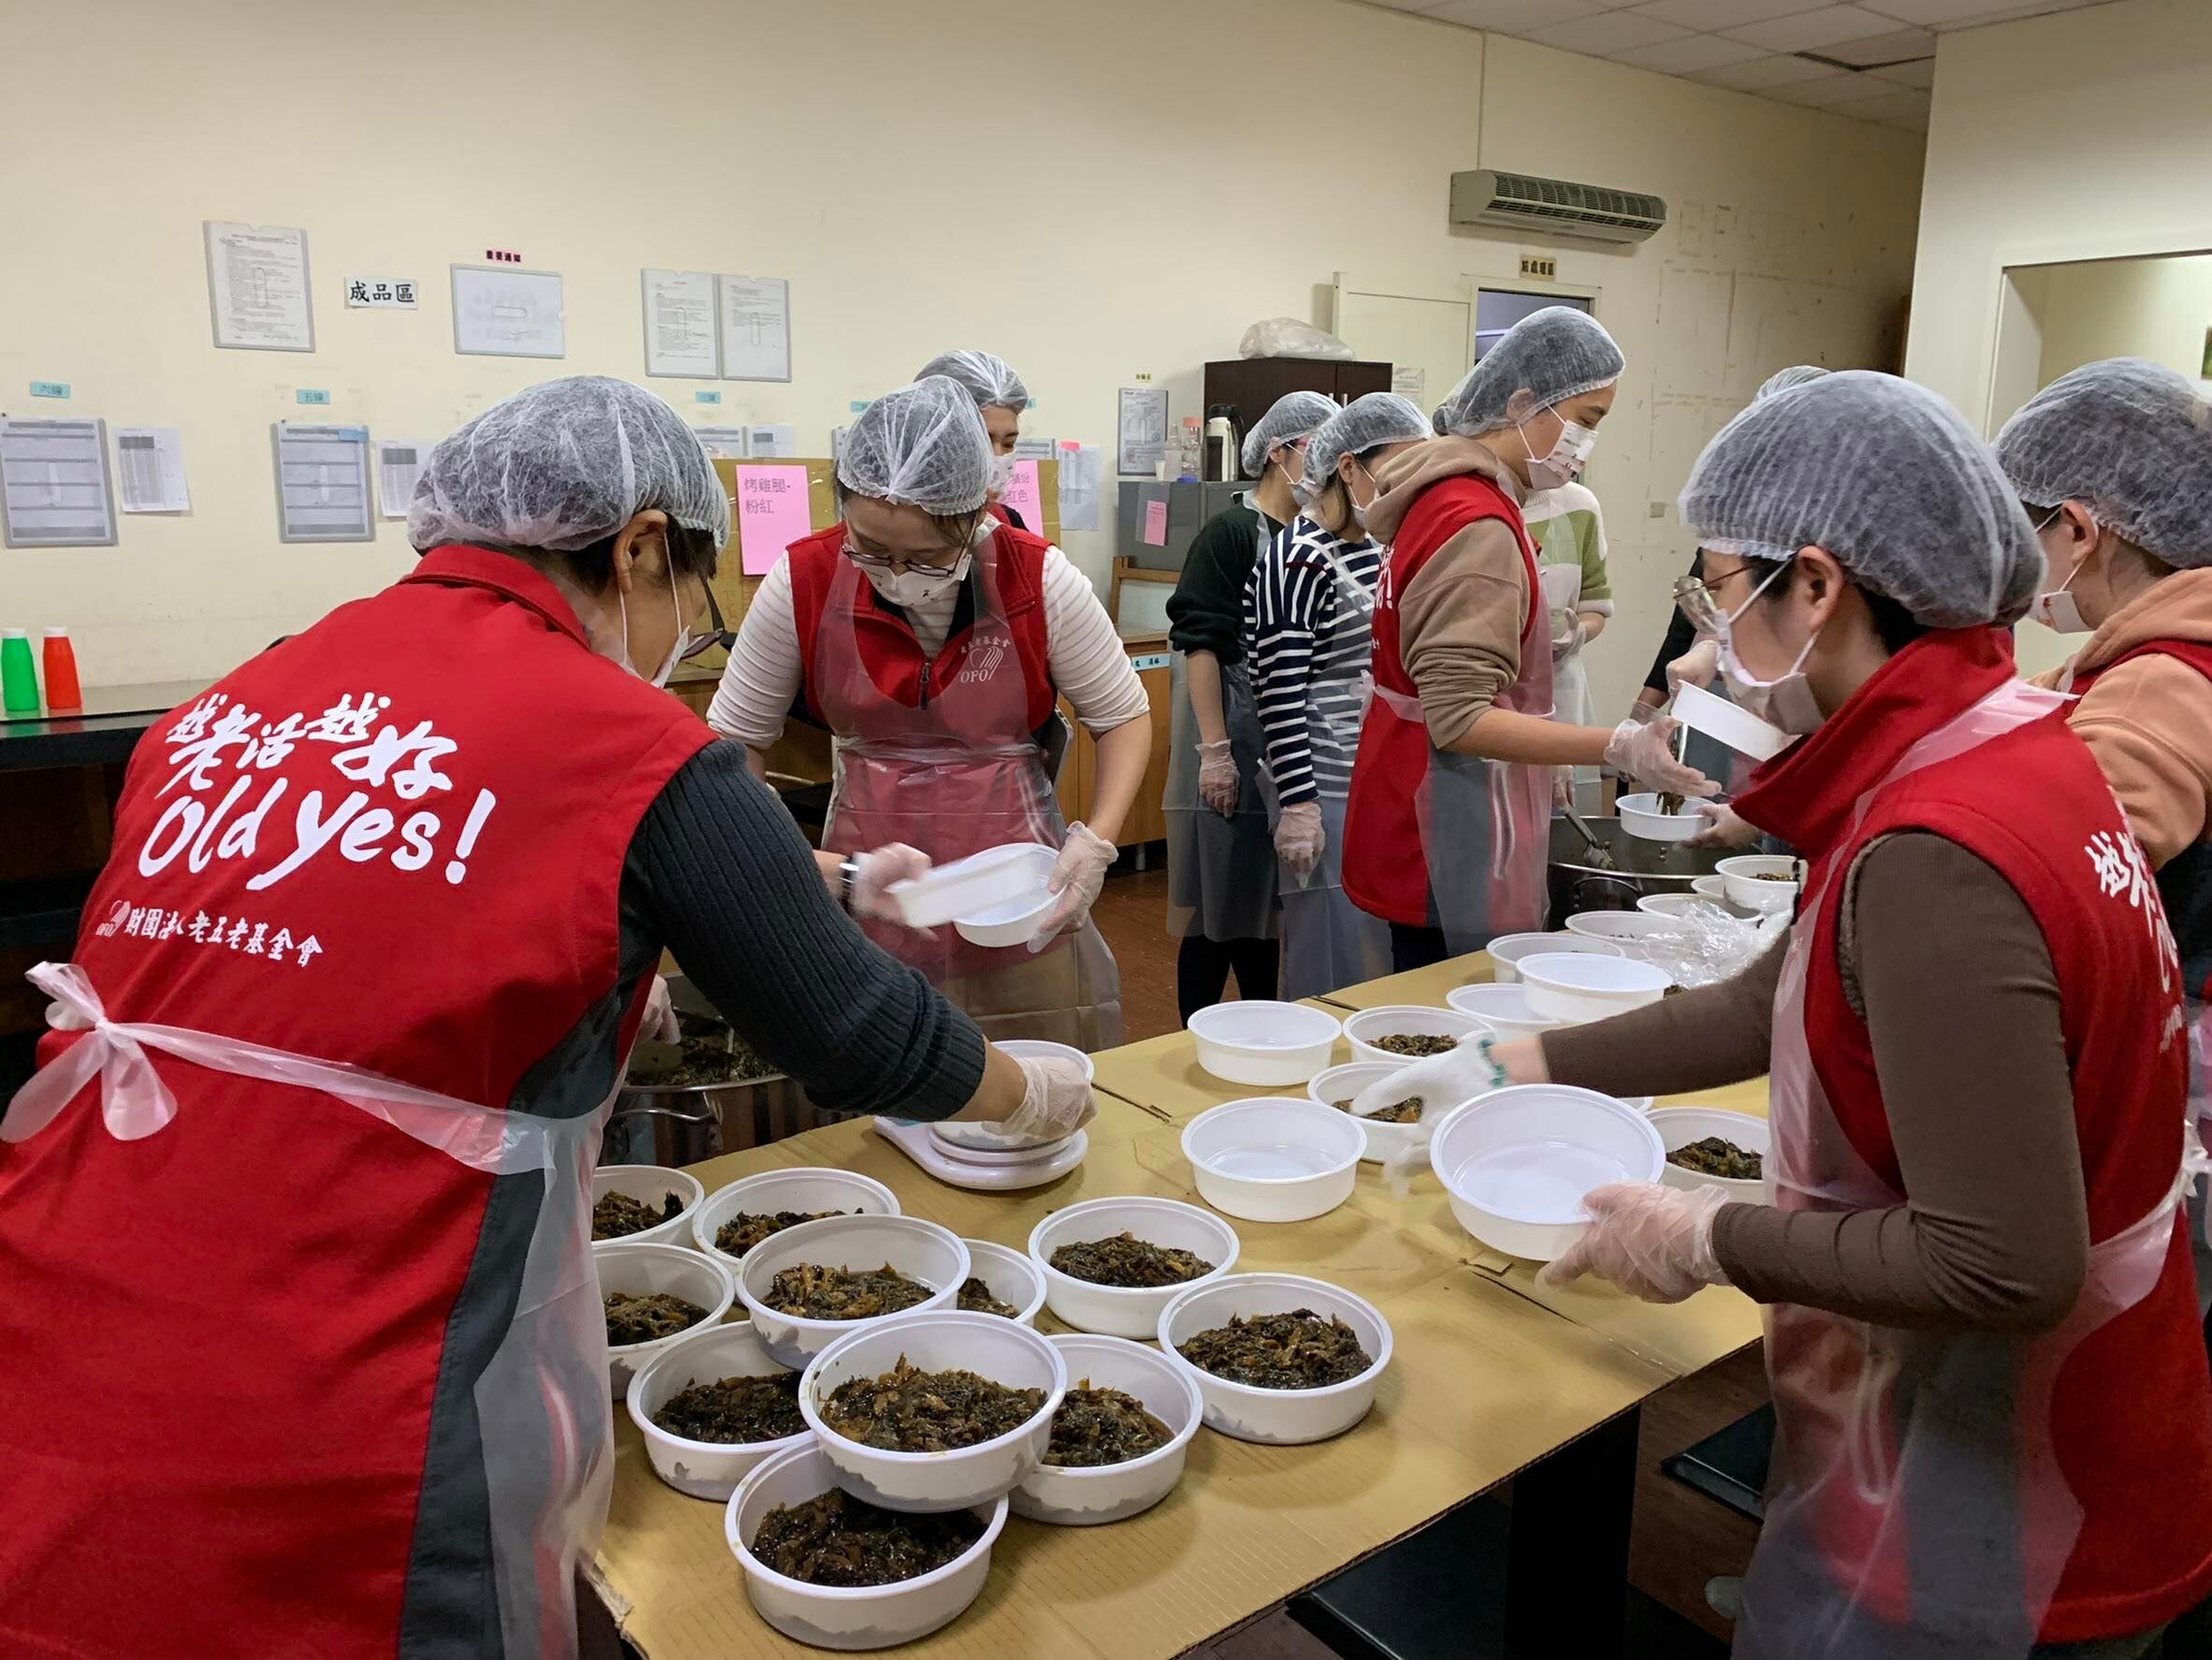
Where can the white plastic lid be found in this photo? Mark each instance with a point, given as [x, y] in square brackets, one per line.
[14, 633]
[57, 633]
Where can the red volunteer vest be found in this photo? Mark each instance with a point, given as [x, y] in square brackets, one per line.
[235, 1412]
[2132, 1409]
[893, 657]
[1385, 868]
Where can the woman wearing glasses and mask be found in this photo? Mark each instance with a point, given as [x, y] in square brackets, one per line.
[340, 1036]
[934, 641]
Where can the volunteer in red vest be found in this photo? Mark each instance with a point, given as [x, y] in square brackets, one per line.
[934, 641]
[2114, 462]
[1447, 830]
[1001, 397]
[1993, 1415]
[304, 1346]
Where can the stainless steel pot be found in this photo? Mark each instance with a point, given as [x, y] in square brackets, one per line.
[1577, 883]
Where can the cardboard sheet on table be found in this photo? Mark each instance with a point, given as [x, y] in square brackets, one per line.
[1163, 1074]
[1421, 986]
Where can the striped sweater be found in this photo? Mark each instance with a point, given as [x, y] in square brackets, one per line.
[1307, 640]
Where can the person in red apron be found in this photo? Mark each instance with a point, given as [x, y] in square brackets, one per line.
[934, 643]
[999, 399]
[1447, 828]
[1993, 1411]
[2114, 462]
[305, 1347]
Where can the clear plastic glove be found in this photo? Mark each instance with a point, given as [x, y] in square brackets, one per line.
[1217, 778]
[1077, 877]
[1056, 1100]
[873, 873]
[1300, 838]
[660, 1024]
[1695, 667]
[1442, 1081]
[1567, 643]
[1653, 1242]
[1722, 827]
[1645, 751]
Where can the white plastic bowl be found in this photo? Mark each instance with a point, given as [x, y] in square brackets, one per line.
[1014, 919]
[1516, 1162]
[1747, 886]
[1013, 1277]
[1500, 1004]
[1410, 1020]
[944, 1340]
[1085, 1498]
[1259, 1042]
[1507, 950]
[806, 1189]
[1274, 1159]
[1575, 986]
[1717, 718]
[1346, 1082]
[1716, 889]
[1677, 1127]
[990, 1138]
[828, 1617]
[646, 1270]
[917, 1249]
[704, 1469]
[1625, 928]
[1686, 905]
[1641, 818]
[651, 1184]
[1127, 1311]
[1280, 1416]
[966, 887]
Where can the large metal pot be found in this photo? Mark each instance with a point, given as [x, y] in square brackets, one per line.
[1577, 883]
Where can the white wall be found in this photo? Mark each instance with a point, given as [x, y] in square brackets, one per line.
[2157, 309]
[1093, 192]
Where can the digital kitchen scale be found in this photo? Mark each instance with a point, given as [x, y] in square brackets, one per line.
[985, 1173]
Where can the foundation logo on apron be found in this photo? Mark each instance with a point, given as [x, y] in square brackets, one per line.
[981, 661]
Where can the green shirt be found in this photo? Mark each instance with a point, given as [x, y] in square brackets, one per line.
[1206, 611]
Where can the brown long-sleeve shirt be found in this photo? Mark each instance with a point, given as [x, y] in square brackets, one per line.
[1950, 971]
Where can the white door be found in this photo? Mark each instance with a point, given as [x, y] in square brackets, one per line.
[1425, 332]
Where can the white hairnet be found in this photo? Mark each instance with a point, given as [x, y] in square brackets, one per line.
[1886, 477]
[1379, 417]
[1292, 416]
[2131, 441]
[1545, 358]
[989, 380]
[1781, 380]
[563, 464]
[922, 445]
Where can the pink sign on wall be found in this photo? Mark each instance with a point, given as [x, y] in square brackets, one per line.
[1025, 497]
[1155, 524]
[771, 515]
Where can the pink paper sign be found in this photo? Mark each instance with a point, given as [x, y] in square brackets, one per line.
[771, 515]
[1155, 524]
[1024, 496]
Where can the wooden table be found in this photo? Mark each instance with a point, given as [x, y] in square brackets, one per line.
[1491, 1377]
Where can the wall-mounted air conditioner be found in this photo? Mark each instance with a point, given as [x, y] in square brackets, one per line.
[1517, 201]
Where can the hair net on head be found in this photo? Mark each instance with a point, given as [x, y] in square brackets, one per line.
[1293, 415]
[2133, 442]
[1886, 477]
[1547, 357]
[1781, 380]
[922, 445]
[989, 380]
[1379, 417]
[561, 465]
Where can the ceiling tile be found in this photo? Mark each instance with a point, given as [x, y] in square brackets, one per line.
[1898, 47]
[1901, 104]
[1957, 14]
[1693, 52]
[1514, 17]
[1831, 91]
[1609, 32]
[1762, 73]
[1921, 72]
[1815, 31]
[1722, 14]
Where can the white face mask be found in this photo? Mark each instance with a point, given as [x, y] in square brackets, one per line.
[2056, 609]
[1001, 474]
[908, 588]
[1568, 455]
[676, 651]
[1786, 701]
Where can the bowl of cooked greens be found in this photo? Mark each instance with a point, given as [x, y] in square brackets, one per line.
[1278, 1357]
[1708, 1146]
[643, 1203]
[712, 1405]
[806, 1287]
[652, 1295]
[1118, 1439]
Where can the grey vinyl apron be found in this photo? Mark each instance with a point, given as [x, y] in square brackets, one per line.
[1221, 871]
[1327, 941]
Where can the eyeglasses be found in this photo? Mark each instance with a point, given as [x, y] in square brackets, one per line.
[718, 632]
[898, 565]
[1704, 606]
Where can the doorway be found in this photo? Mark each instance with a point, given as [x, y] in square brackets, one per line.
[1496, 310]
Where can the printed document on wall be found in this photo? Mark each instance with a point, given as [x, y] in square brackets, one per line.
[399, 462]
[499, 311]
[1142, 429]
[149, 470]
[725, 441]
[322, 483]
[680, 324]
[257, 286]
[756, 328]
[53, 484]
[1083, 477]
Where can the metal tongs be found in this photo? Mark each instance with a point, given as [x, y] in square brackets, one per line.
[1601, 857]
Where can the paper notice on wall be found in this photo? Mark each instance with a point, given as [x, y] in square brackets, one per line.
[771, 515]
[756, 328]
[726, 443]
[771, 439]
[322, 483]
[257, 286]
[1025, 496]
[680, 324]
[1035, 449]
[1083, 480]
[1411, 382]
[499, 311]
[1142, 432]
[54, 491]
[149, 470]
[399, 462]
[1155, 523]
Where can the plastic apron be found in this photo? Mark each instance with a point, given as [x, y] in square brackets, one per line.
[1486, 826]
[1327, 941]
[542, 1403]
[952, 777]
[1935, 1450]
[1221, 871]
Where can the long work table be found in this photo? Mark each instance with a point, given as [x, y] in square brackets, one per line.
[1492, 1378]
